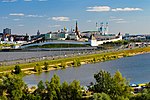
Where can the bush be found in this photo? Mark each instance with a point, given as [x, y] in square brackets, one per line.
[95, 59]
[45, 66]
[76, 63]
[63, 64]
[37, 68]
[101, 96]
[56, 66]
[17, 69]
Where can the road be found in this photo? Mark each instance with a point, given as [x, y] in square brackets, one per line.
[12, 58]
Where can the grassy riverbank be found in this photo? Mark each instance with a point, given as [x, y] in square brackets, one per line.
[28, 68]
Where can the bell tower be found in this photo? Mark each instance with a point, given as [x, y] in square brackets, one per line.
[76, 30]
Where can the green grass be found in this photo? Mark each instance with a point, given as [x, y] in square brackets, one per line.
[60, 46]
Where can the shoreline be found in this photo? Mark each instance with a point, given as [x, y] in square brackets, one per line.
[82, 63]
[93, 58]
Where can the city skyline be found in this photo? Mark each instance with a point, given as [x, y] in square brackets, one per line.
[29, 16]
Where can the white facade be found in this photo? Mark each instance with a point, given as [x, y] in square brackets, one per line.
[93, 43]
[112, 40]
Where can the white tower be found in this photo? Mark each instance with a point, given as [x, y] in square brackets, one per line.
[106, 28]
[93, 41]
[11, 39]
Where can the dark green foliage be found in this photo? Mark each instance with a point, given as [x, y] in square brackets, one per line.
[63, 64]
[65, 94]
[76, 63]
[115, 86]
[60, 46]
[107, 87]
[45, 66]
[55, 91]
[71, 92]
[95, 59]
[31, 97]
[104, 81]
[17, 69]
[11, 86]
[40, 90]
[56, 66]
[101, 96]
[37, 68]
[144, 95]
[75, 90]
[53, 88]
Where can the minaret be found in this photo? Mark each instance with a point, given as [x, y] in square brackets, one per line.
[106, 28]
[71, 30]
[101, 29]
[97, 27]
[38, 33]
[76, 30]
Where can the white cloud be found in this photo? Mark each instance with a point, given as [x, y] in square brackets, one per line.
[27, 0]
[116, 19]
[127, 9]
[98, 9]
[16, 14]
[34, 16]
[8, 0]
[61, 18]
[107, 8]
[123, 21]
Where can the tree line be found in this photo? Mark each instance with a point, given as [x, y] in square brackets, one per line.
[106, 87]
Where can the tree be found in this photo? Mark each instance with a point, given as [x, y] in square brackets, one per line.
[76, 93]
[65, 93]
[53, 88]
[76, 62]
[17, 69]
[12, 87]
[103, 82]
[37, 68]
[72, 91]
[115, 86]
[144, 95]
[40, 90]
[31, 97]
[63, 64]
[122, 85]
[101, 96]
[56, 91]
[45, 66]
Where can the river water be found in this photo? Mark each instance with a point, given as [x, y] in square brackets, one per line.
[135, 68]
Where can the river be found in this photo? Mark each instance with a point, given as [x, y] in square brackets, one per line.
[135, 68]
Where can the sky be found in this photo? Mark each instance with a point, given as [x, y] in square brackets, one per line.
[29, 16]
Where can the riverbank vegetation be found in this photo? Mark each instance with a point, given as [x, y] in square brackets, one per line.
[13, 88]
[75, 61]
[106, 87]
[60, 46]
[6, 45]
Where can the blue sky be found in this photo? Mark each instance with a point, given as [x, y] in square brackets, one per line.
[28, 16]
